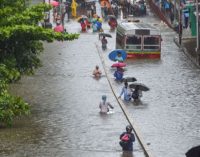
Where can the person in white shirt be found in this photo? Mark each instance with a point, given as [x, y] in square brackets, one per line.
[104, 105]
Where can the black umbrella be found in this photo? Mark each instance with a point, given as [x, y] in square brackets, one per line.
[193, 152]
[129, 79]
[141, 86]
[105, 35]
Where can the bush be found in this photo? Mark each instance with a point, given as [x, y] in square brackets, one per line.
[10, 106]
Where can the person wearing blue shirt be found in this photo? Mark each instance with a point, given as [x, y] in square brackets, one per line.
[119, 57]
[126, 91]
[118, 74]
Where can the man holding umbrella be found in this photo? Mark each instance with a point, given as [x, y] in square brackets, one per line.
[104, 43]
[104, 40]
[138, 88]
[137, 93]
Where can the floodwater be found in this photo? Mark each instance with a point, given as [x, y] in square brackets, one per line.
[64, 98]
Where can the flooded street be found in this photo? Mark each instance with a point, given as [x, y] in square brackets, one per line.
[64, 99]
[65, 119]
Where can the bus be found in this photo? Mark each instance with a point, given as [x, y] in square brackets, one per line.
[139, 40]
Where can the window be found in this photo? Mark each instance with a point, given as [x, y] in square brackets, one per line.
[133, 42]
[151, 42]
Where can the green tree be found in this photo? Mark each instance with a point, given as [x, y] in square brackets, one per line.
[20, 45]
[20, 35]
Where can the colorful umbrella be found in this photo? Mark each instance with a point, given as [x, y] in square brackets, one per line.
[55, 3]
[119, 65]
[112, 55]
[59, 28]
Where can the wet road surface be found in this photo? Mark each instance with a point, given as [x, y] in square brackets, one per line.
[169, 113]
[65, 119]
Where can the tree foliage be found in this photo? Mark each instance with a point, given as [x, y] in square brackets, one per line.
[20, 45]
[20, 35]
[10, 106]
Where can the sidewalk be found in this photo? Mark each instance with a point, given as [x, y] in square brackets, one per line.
[189, 48]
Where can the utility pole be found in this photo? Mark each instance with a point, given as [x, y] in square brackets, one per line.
[174, 10]
[180, 28]
[197, 32]
[197, 26]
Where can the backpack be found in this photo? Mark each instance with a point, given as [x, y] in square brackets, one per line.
[124, 140]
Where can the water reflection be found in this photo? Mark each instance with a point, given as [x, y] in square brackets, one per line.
[127, 154]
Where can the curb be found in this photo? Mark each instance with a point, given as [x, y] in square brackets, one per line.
[185, 51]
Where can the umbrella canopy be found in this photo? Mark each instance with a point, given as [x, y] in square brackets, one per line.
[111, 16]
[119, 65]
[84, 16]
[193, 152]
[141, 86]
[129, 79]
[105, 35]
[112, 55]
[55, 3]
[59, 28]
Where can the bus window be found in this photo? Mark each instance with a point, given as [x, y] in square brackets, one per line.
[134, 42]
[151, 42]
